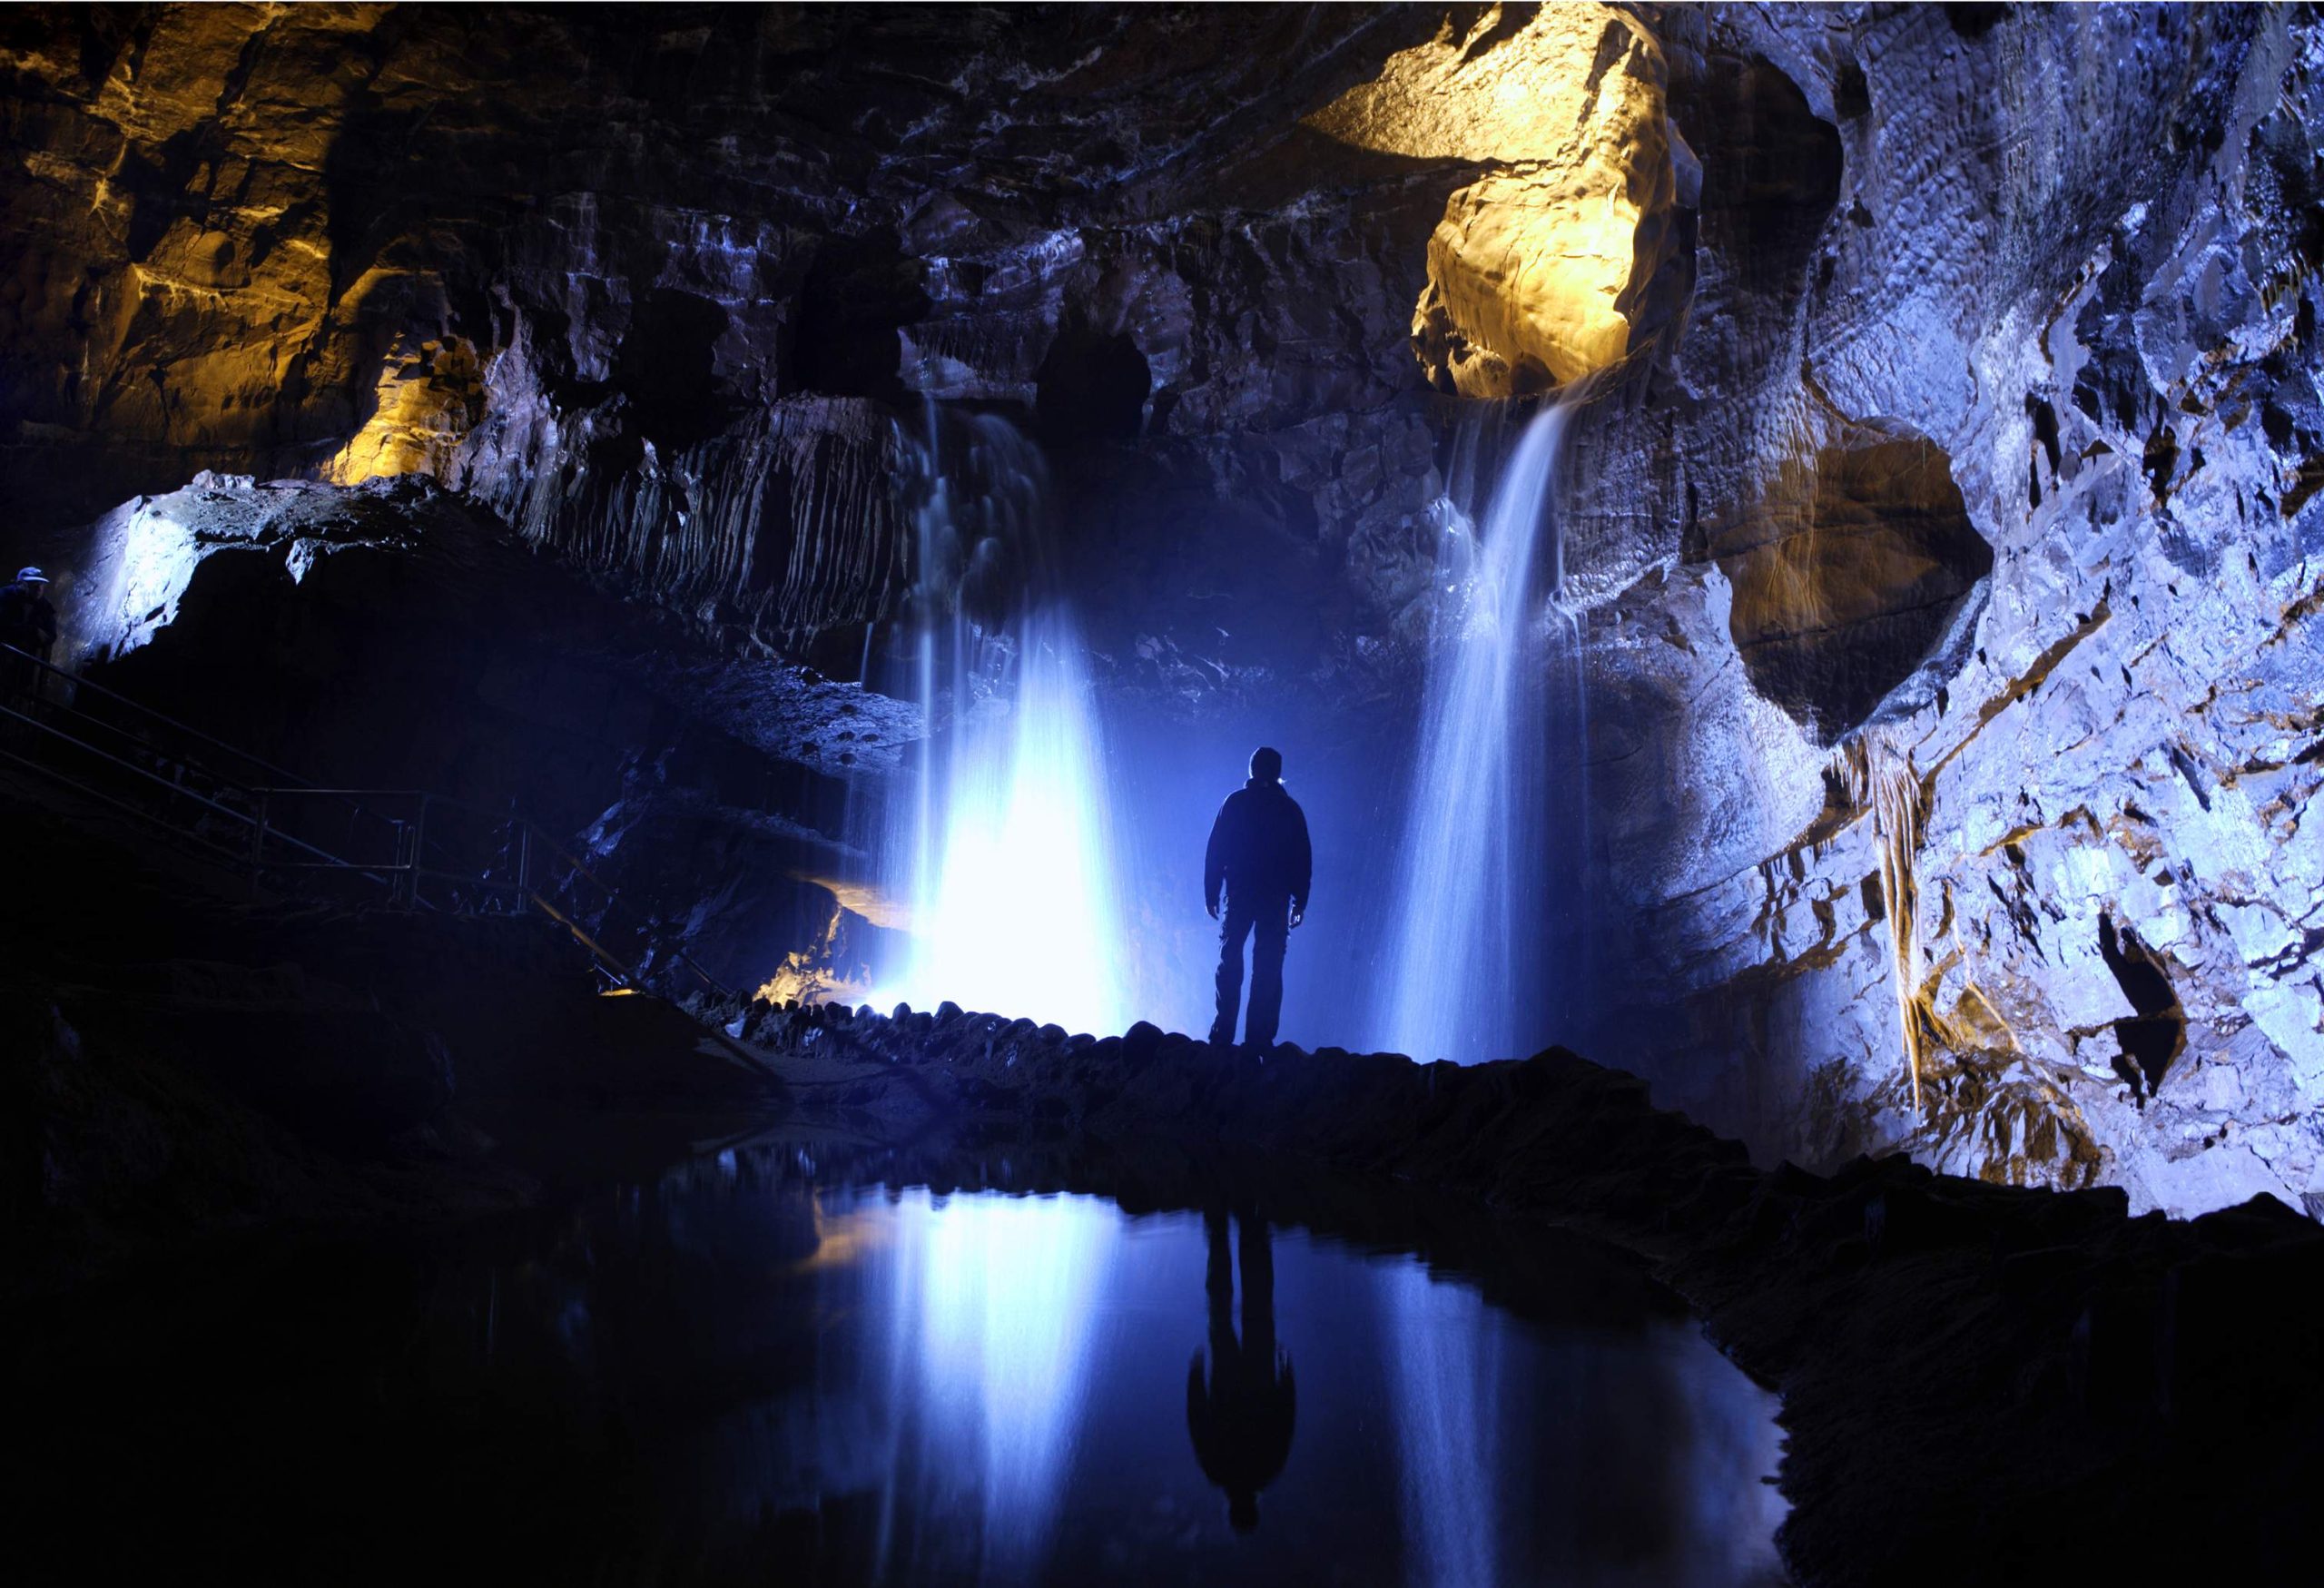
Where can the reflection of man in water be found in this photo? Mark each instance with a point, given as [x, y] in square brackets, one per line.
[1241, 1417]
[1259, 854]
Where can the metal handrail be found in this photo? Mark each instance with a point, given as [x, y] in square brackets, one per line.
[171, 756]
[177, 790]
[401, 878]
[123, 806]
[80, 683]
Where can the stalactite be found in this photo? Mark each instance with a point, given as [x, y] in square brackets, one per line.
[1884, 779]
[788, 522]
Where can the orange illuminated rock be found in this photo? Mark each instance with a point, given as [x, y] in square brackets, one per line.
[1538, 270]
[176, 235]
[428, 398]
[1847, 570]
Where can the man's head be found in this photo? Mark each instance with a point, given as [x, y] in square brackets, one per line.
[29, 576]
[1266, 764]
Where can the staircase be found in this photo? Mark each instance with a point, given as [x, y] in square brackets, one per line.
[404, 848]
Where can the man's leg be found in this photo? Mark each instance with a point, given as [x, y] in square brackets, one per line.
[1258, 1288]
[1233, 929]
[1272, 932]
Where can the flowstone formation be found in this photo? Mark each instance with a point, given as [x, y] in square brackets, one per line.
[1940, 541]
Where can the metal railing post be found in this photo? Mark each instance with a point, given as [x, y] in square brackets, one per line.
[258, 846]
[418, 849]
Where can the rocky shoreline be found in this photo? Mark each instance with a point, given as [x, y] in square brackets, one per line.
[1980, 1383]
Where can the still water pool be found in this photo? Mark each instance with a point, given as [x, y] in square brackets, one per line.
[747, 1370]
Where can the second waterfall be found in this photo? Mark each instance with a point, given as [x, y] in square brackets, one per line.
[1484, 940]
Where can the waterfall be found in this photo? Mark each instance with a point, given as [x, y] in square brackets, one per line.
[1445, 1357]
[1493, 837]
[1005, 848]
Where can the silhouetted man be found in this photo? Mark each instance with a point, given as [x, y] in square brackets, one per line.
[27, 624]
[1259, 852]
[1240, 1418]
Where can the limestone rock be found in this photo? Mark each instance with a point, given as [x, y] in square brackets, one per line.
[1848, 572]
[1540, 267]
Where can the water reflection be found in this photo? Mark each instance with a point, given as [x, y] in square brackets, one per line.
[988, 1363]
[1054, 1392]
[1445, 1356]
[1240, 1414]
[747, 1373]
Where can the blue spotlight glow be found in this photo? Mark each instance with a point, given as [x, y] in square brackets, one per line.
[1009, 846]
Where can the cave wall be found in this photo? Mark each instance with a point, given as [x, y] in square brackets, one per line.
[394, 636]
[666, 286]
[2071, 250]
[1963, 439]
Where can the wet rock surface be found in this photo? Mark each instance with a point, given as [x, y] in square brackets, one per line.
[2068, 330]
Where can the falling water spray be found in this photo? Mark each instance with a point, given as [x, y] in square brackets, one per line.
[1469, 936]
[1006, 851]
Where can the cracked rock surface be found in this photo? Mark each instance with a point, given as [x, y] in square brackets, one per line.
[2109, 339]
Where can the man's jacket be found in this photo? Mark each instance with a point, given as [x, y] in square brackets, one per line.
[26, 619]
[1258, 848]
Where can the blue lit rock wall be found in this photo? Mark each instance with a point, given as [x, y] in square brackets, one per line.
[2075, 249]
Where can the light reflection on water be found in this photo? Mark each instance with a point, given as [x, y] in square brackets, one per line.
[987, 1365]
[1445, 1357]
[734, 1374]
[1001, 1397]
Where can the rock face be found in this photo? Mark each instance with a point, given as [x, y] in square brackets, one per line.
[2113, 888]
[1942, 529]
[1540, 269]
[394, 636]
[662, 288]
[1860, 555]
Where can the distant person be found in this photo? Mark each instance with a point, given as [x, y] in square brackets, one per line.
[1240, 1416]
[1259, 853]
[27, 624]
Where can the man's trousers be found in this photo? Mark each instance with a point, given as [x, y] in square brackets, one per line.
[1267, 925]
